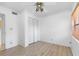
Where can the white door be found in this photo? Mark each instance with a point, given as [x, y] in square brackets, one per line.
[32, 27]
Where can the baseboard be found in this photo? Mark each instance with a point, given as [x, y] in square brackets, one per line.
[56, 43]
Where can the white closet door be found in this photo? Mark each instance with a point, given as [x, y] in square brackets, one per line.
[32, 27]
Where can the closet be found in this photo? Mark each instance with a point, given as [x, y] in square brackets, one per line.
[32, 30]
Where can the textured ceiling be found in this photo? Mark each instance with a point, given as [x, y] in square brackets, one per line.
[49, 7]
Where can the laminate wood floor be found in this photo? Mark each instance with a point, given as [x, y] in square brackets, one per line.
[38, 49]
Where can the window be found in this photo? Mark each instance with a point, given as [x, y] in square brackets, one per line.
[75, 22]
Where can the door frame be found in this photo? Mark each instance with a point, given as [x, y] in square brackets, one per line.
[3, 31]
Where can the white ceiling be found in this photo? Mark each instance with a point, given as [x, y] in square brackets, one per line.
[49, 7]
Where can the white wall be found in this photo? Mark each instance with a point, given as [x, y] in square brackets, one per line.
[56, 28]
[21, 33]
[10, 23]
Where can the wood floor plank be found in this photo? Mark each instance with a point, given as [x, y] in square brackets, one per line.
[38, 49]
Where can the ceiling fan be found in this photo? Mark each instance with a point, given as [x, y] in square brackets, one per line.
[39, 6]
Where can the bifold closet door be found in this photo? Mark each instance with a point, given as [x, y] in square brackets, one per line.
[32, 30]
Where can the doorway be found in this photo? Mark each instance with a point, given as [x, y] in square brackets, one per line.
[2, 32]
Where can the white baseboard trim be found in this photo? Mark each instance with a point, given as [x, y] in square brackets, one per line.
[56, 43]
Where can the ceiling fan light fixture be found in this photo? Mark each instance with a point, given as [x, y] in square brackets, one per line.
[39, 7]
